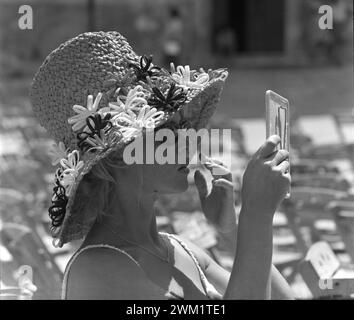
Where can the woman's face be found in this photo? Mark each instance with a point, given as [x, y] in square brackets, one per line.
[168, 177]
[157, 175]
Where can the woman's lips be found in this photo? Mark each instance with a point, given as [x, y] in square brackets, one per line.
[183, 169]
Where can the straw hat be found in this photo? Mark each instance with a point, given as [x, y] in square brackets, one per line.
[94, 95]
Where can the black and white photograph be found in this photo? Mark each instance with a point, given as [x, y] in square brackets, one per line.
[195, 150]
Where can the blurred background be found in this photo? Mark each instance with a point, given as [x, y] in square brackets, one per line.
[265, 44]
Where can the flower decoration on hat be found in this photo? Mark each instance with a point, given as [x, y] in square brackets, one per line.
[93, 137]
[65, 177]
[101, 141]
[70, 170]
[132, 101]
[169, 101]
[188, 79]
[59, 201]
[79, 121]
[145, 68]
[130, 122]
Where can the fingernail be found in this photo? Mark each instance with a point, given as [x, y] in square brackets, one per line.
[275, 138]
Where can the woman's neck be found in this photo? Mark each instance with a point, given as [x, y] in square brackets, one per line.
[133, 217]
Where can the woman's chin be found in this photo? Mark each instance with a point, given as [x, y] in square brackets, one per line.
[181, 182]
[182, 187]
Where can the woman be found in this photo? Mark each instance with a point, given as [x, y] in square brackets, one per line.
[99, 197]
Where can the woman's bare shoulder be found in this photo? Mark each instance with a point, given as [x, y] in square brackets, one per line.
[202, 257]
[108, 273]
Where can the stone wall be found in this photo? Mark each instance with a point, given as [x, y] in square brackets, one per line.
[57, 21]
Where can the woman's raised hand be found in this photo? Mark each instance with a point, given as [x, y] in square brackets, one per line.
[266, 180]
[218, 205]
[265, 183]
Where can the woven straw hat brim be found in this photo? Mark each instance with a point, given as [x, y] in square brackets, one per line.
[199, 109]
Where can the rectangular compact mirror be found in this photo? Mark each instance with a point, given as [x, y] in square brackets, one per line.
[277, 119]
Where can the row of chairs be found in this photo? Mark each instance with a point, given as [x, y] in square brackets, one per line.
[320, 215]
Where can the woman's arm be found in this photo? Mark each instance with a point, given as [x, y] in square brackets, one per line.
[265, 183]
[250, 276]
[220, 277]
[280, 289]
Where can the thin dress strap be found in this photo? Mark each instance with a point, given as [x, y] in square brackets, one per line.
[210, 290]
[72, 259]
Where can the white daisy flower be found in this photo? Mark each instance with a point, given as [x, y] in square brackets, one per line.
[146, 118]
[71, 167]
[133, 101]
[79, 121]
[57, 152]
[183, 77]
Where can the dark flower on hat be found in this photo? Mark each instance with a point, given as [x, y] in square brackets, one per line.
[169, 102]
[95, 123]
[96, 126]
[145, 68]
[59, 201]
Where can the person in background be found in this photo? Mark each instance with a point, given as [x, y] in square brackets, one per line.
[173, 37]
[147, 26]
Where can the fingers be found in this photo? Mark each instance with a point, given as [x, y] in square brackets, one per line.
[216, 167]
[218, 162]
[223, 183]
[204, 159]
[268, 147]
[284, 166]
[278, 157]
[201, 184]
